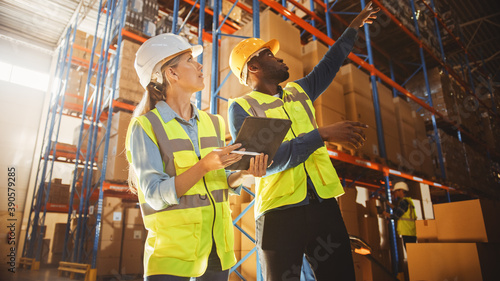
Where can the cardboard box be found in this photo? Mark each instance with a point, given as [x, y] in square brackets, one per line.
[426, 231]
[354, 80]
[385, 97]
[248, 225]
[273, 26]
[326, 116]
[117, 168]
[392, 149]
[249, 266]
[133, 216]
[235, 211]
[347, 202]
[351, 222]
[295, 66]
[134, 233]
[453, 261]
[468, 221]
[58, 239]
[107, 266]
[109, 248]
[332, 97]
[112, 231]
[360, 108]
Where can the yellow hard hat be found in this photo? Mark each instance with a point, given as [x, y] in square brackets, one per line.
[245, 49]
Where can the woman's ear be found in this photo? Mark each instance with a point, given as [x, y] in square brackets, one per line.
[171, 74]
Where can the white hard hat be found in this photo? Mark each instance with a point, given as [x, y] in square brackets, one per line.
[401, 185]
[156, 51]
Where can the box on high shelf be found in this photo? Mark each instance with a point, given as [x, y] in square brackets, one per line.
[129, 88]
[405, 126]
[330, 106]
[59, 193]
[480, 168]
[299, 12]
[422, 154]
[442, 92]
[354, 79]
[453, 158]
[236, 13]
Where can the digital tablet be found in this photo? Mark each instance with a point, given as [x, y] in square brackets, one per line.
[261, 135]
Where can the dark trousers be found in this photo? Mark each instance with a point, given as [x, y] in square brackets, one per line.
[316, 229]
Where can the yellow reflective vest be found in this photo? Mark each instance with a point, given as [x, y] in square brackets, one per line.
[180, 237]
[290, 186]
[406, 223]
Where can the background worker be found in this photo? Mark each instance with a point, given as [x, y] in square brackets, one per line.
[295, 206]
[404, 213]
[181, 182]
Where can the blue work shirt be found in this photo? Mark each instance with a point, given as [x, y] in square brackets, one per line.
[158, 187]
[296, 151]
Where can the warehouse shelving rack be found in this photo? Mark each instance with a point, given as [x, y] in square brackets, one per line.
[82, 233]
[98, 112]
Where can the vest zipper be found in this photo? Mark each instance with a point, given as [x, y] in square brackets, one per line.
[213, 206]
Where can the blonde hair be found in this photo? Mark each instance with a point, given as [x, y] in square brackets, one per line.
[154, 93]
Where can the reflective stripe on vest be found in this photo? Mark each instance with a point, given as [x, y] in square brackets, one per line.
[179, 240]
[290, 186]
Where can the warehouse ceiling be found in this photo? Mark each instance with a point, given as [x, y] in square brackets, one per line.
[44, 22]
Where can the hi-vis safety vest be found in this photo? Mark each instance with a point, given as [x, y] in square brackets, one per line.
[290, 186]
[180, 237]
[406, 223]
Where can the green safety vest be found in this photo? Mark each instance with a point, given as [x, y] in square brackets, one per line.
[290, 186]
[180, 236]
[406, 223]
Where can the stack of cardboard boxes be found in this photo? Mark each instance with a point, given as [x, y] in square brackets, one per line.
[454, 160]
[128, 87]
[462, 243]
[330, 106]
[78, 73]
[359, 106]
[117, 164]
[59, 193]
[122, 239]
[134, 237]
[110, 243]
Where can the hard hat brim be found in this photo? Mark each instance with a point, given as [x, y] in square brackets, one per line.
[272, 45]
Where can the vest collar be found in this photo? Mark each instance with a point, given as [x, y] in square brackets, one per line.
[167, 113]
[268, 98]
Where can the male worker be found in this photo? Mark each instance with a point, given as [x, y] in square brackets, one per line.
[404, 213]
[295, 206]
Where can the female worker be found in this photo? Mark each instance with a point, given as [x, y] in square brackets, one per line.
[180, 180]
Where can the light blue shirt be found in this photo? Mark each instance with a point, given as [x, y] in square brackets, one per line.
[158, 187]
